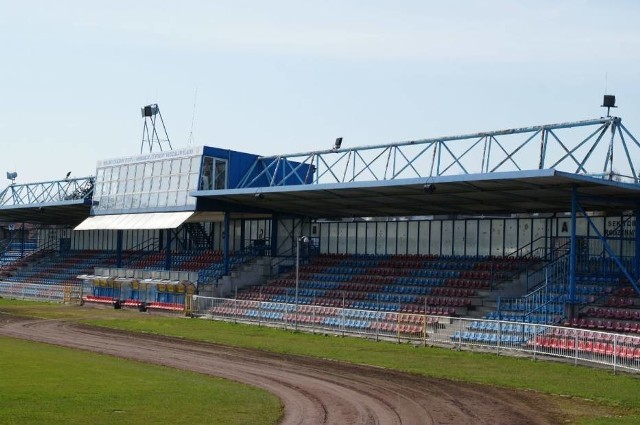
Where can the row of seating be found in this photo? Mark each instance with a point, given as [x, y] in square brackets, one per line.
[412, 325]
[534, 318]
[99, 299]
[606, 325]
[620, 302]
[165, 306]
[487, 338]
[54, 268]
[503, 327]
[613, 313]
[598, 348]
[582, 289]
[594, 336]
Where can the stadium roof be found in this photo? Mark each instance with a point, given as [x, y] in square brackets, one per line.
[58, 213]
[57, 202]
[534, 191]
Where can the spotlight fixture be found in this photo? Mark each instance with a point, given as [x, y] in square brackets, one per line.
[259, 195]
[338, 143]
[429, 188]
[609, 101]
[12, 176]
[149, 110]
[67, 176]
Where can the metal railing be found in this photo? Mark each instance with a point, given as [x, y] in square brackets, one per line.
[616, 351]
[611, 350]
[537, 248]
[40, 292]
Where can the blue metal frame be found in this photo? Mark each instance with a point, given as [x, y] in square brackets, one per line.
[572, 249]
[51, 192]
[484, 152]
[636, 256]
[227, 236]
[611, 252]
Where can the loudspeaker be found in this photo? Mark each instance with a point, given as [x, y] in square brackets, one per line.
[609, 101]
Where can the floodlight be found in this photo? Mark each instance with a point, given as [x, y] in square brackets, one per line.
[609, 101]
[259, 195]
[12, 175]
[338, 143]
[429, 188]
[67, 176]
[149, 110]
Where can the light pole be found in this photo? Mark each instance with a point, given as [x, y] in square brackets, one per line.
[301, 239]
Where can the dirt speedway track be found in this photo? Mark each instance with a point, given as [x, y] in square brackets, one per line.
[313, 391]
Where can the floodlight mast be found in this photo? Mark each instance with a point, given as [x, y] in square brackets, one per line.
[150, 136]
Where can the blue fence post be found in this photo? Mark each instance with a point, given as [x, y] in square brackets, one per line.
[572, 253]
[167, 256]
[225, 242]
[636, 254]
[119, 249]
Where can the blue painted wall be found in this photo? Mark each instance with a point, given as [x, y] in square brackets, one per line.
[240, 163]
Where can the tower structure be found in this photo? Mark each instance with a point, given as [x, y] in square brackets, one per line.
[150, 136]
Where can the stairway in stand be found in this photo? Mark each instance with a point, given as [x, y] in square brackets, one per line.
[198, 236]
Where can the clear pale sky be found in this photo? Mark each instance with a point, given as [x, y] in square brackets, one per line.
[288, 76]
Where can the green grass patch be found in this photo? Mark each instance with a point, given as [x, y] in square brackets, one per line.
[619, 392]
[45, 384]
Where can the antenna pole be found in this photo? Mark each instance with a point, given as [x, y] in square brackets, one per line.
[193, 117]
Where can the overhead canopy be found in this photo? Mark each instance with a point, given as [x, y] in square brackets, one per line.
[487, 193]
[69, 212]
[164, 220]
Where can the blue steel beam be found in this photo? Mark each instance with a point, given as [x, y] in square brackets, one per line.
[610, 251]
[463, 154]
[47, 192]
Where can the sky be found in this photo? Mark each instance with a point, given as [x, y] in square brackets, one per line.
[290, 76]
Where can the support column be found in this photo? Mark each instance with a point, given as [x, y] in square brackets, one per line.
[636, 254]
[573, 253]
[22, 238]
[225, 242]
[167, 253]
[273, 243]
[242, 234]
[119, 248]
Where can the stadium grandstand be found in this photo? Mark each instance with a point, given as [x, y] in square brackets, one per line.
[528, 234]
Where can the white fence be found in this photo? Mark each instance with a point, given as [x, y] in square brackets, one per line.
[616, 351]
[38, 292]
[577, 345]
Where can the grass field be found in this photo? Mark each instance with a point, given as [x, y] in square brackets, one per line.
[591, 395]
[42, 384]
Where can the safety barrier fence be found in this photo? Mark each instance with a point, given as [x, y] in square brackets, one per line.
[611, 350]
[40, 292]
[616, 351]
